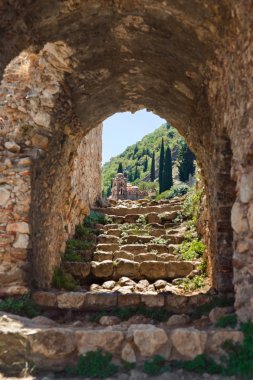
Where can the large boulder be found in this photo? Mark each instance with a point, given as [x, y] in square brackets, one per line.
[91, 340]
[188, 342]
[149, 339]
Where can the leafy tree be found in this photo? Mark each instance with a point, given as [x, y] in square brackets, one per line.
[120, 168]
[161, 165]
[145, 165]
[152, 172]
[167, 179]
[186, 163]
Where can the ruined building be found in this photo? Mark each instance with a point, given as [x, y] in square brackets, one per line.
[121, 189]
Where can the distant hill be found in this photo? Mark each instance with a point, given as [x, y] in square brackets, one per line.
[134, 158]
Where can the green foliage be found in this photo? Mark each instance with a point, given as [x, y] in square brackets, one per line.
[191, 250]
[175, 191]
[124, 313]
[63, 280]
[120, 168]
[94, 364]
[161, 167]
[156, 366]
[84, 233]
[74, 245]
[152, 170]
[159, 240]
[191, 284]
[23, 305]
[227, 321]
[190, 208]
[127, 366]
[201, 364]
[140, 154]
[74, 257]
[186, 163]
[167, 179]
[141, 220]
[96, 218]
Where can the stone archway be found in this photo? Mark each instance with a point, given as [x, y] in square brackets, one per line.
[88, 60]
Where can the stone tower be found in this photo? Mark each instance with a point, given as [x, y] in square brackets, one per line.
[119, 187]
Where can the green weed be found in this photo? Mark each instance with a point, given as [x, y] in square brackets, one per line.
[156, 366]
[227, 321]
[96, 218]
[94, 364]
[23, 305]
[63, 280]
[191, 250]
[191, 284]
[159, 240]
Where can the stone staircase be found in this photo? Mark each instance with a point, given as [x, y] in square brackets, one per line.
[139, 244]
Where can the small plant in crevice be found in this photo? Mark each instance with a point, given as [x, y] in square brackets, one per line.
[191, 250]
[200, 364]
[160, 315]
[156, 366]
[23, 305]
[159, 240]
[229, 320]
[96, 218]
[191, 284]
[127, 366]
[141, 220]
[94, 364]
[63, 280]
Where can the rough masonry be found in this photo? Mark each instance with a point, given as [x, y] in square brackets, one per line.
[69, 65]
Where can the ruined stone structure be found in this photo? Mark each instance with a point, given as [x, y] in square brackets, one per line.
[119, 187]
[66, 66]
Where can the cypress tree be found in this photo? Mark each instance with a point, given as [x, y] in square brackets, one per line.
[152, 172]
[137, 173]
[130, 175]
[161, 164]
[167, 180]
[120, 168]
[186, 163]
[145, 164]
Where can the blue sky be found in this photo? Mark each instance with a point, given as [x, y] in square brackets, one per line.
[124, 129]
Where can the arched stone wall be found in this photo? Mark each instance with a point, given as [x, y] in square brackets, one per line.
[189, 62]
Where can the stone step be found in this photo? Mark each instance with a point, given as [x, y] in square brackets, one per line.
[133, 239]
[107, 247]
[123, 211]
[157, 232]
[107, 239]
[113, 232]
[107, 227]
[174, 239]
[146, 269]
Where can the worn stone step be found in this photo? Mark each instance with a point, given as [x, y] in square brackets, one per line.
[128, 268]
[107, 227]
[158, 232]
[123, 211]
[123, 255]
[132, 218]
[174, 239]
[107, 247]
[107, 239]
[133, 239]
[118, 219]
[113, 232]
[101, 256]
[134, 248]
[78, 269]
[159, 248]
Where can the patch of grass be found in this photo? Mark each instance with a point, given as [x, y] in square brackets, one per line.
[156, 366]
[63, 280]
[127, 366]
[191, 284]
[229, 320]
[160, 315]
[74, 257]
[23, 305]
[74, 245]
[175, 191]
[94, 364]
[201, 364]
[96, 218]
[191, 250]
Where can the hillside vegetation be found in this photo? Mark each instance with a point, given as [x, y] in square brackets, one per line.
[136, 159]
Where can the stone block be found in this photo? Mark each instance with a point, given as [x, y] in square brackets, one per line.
[21, 227]
[149, 339]
[176, 269]
[71, 300]
[45, 298]
[79, 269]
[129, 300]
[188, 342]
[124, 267]
[98, 301]
[102, 269]
[91, 340]
[153, 300]
[153, 269]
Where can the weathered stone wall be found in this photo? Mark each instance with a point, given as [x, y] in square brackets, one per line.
[43, 192]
